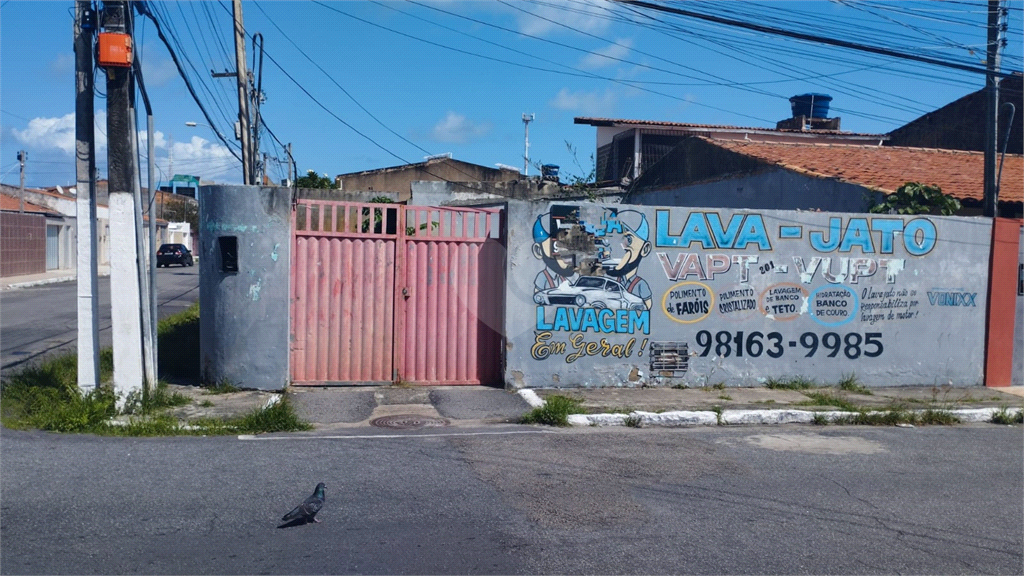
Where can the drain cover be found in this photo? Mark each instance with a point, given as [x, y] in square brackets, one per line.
[408, 422]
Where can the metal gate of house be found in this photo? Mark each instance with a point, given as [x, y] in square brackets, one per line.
[385, 292]
[52, 247]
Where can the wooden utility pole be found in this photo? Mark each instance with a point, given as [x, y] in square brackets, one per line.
[996, 38]
[243, 95]
[85, 200]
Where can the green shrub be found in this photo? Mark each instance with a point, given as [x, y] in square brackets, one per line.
[554, 412]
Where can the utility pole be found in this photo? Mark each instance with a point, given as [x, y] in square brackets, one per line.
[85, 200]
[996, 38]
[242, 77]
[22, 156]
[527, 118]
[124, 309]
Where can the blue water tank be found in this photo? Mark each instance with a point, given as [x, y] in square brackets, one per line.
[810, 105]
[549, 171]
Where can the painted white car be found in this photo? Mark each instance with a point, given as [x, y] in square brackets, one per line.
[593, 291]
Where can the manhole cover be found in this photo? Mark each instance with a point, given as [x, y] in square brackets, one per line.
[408, 422]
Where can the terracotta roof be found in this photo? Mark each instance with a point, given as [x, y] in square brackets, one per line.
[12, 204]
[886, 168]
[657, 123]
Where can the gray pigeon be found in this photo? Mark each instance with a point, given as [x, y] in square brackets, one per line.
[309, 507]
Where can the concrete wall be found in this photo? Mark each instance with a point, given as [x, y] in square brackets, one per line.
[742, 296]
[773, 188]
[399, 178]
[244, 314]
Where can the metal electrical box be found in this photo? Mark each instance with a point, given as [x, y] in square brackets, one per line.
[115, 49]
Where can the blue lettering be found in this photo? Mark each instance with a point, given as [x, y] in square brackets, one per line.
[589, 321]
[542, 323]
[817, 237]
[662, 236]
[857, 234]
[696, 230]
[753, 231]
[725, 237]
[888, 227]
[919, 236]
[595, 320]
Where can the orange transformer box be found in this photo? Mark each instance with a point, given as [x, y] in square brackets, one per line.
[115, 49]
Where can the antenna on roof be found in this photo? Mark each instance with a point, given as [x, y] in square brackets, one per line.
[527, 118]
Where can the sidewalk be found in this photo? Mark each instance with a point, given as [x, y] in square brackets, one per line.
[411, 407]
[49, 277]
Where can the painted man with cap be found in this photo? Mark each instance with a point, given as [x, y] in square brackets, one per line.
[635, 231]
[558, 268]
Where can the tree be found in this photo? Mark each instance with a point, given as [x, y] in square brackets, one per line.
[917, 198]
[314, 180]
[177, 210]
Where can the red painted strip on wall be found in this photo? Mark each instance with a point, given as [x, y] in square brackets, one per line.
[1002, 302]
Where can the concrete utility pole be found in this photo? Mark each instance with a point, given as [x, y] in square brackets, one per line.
[996, 38]
[527, 118]
[124, 309]
[22, 156]
[243, 95]
[85, 200]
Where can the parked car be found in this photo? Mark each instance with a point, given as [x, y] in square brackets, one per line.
[595, 291]
[173, 254]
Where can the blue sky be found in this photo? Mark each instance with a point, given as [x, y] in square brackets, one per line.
[362, 85]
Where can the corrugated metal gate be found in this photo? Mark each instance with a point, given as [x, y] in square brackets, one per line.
[385, 292]
[52, 247]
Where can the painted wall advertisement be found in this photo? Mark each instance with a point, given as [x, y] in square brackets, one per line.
[632, 295]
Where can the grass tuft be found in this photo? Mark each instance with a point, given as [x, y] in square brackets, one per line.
[1003, 416]
[850, 383]
[554, 412]
[798, 383]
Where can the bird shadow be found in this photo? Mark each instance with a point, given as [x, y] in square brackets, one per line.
[296, 522]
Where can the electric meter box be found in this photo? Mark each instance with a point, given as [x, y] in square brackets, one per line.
[115, 49]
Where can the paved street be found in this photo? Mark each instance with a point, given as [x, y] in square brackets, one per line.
[39, 320]
[516, 499]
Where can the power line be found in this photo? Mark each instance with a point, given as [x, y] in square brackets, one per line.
[813, 38]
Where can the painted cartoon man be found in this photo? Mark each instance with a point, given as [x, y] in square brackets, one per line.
[559, 264]
[632, 226]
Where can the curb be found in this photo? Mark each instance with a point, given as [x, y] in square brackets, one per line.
[686, 418]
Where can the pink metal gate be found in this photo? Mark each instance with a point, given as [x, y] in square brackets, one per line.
[385, 292]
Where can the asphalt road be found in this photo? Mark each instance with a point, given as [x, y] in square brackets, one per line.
[755, 500]
[40, 320]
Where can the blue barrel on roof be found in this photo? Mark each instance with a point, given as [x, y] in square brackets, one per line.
[549, 171]
[810, 105]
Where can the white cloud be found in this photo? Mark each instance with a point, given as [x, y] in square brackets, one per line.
[200, 157]
[606, 56]
[585, 16]
[457, 129]
[589, 103]
[59, 133]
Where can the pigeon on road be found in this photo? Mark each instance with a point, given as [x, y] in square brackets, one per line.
[309, 507]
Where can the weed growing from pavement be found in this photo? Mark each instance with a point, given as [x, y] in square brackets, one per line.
[45, 396]
[223, 387]
[718, 414]
[1004, 416]
[899, 414]
[798, 383]
[827, 399]
[633, 421]
[554, 412]
[850, 383]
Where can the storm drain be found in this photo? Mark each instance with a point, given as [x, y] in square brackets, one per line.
[408, 422]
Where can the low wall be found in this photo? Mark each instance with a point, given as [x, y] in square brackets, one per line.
[614, 295]
[245, 262]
